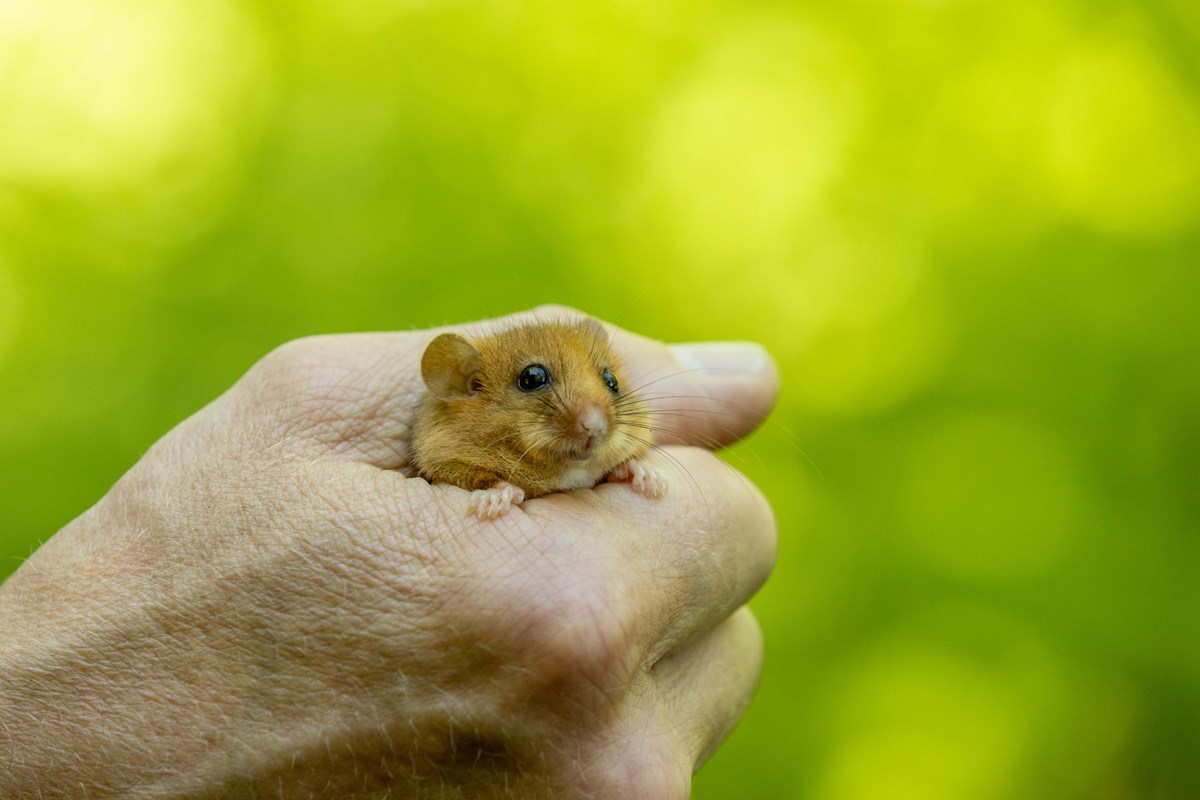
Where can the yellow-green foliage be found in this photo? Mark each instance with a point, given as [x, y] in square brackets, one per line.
[968, 231]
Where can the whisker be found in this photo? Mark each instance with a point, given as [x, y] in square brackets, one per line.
[537, 443]
[501, 438]
[684, 412]
[670, 375]
[657, 396]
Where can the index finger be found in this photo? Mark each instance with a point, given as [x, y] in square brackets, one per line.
[357, 395]
[708, 394]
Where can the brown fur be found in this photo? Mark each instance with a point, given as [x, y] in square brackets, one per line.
[476, 427]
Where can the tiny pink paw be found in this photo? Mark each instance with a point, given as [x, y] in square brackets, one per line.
[644, 479]
[496, 501]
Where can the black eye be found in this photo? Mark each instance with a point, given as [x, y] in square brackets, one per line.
[610, 380]
[533, 377]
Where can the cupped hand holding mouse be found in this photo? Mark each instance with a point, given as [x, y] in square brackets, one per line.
[266, 605]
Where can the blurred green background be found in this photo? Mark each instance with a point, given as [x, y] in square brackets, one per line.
[968, 231]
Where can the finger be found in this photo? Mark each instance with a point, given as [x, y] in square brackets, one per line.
[706, 685]
[691, 557]
[675, 718]
[358, 394]
[708, 394]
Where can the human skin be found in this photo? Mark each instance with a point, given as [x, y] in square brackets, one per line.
[266, 605]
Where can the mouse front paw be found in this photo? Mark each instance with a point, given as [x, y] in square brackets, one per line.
[495, 501]
[644, 479]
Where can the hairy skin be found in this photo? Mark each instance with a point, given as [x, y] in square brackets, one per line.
[267, 606]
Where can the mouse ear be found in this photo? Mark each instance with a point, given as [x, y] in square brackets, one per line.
[449, 367]
[592, 327]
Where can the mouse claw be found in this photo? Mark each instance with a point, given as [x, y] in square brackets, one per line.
[644, 479]
[496, 501]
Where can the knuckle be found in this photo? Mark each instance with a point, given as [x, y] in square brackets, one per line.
[583, 633]
[721, 498]
[288, 365]
[308, 387]
[647, 767]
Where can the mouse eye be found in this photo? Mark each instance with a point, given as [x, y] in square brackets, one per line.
[533, 377]
[610, 380]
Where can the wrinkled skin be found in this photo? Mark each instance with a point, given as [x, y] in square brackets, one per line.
[267, 606]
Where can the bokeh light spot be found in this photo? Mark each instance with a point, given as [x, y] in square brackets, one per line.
[1123, 141]
[977, 124]
[959, 700]
[743, 166]
[745, 149]
[867, 326]
[925, 725]
[111, 94]
[990, 498]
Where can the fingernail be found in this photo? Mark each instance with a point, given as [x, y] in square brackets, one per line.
[722, 357]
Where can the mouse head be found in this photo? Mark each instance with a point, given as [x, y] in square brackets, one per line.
[554, 387]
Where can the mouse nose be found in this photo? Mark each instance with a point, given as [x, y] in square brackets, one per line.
[592, 422]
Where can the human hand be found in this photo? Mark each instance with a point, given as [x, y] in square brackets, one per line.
[266, 605]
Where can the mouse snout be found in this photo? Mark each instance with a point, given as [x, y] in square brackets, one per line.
[588, 426]
[592, 422]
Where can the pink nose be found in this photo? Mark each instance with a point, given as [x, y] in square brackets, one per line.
[592, 422]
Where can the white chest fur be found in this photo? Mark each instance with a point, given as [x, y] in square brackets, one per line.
[580, 475]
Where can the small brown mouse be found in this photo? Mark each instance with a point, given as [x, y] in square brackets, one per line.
[534, 409]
